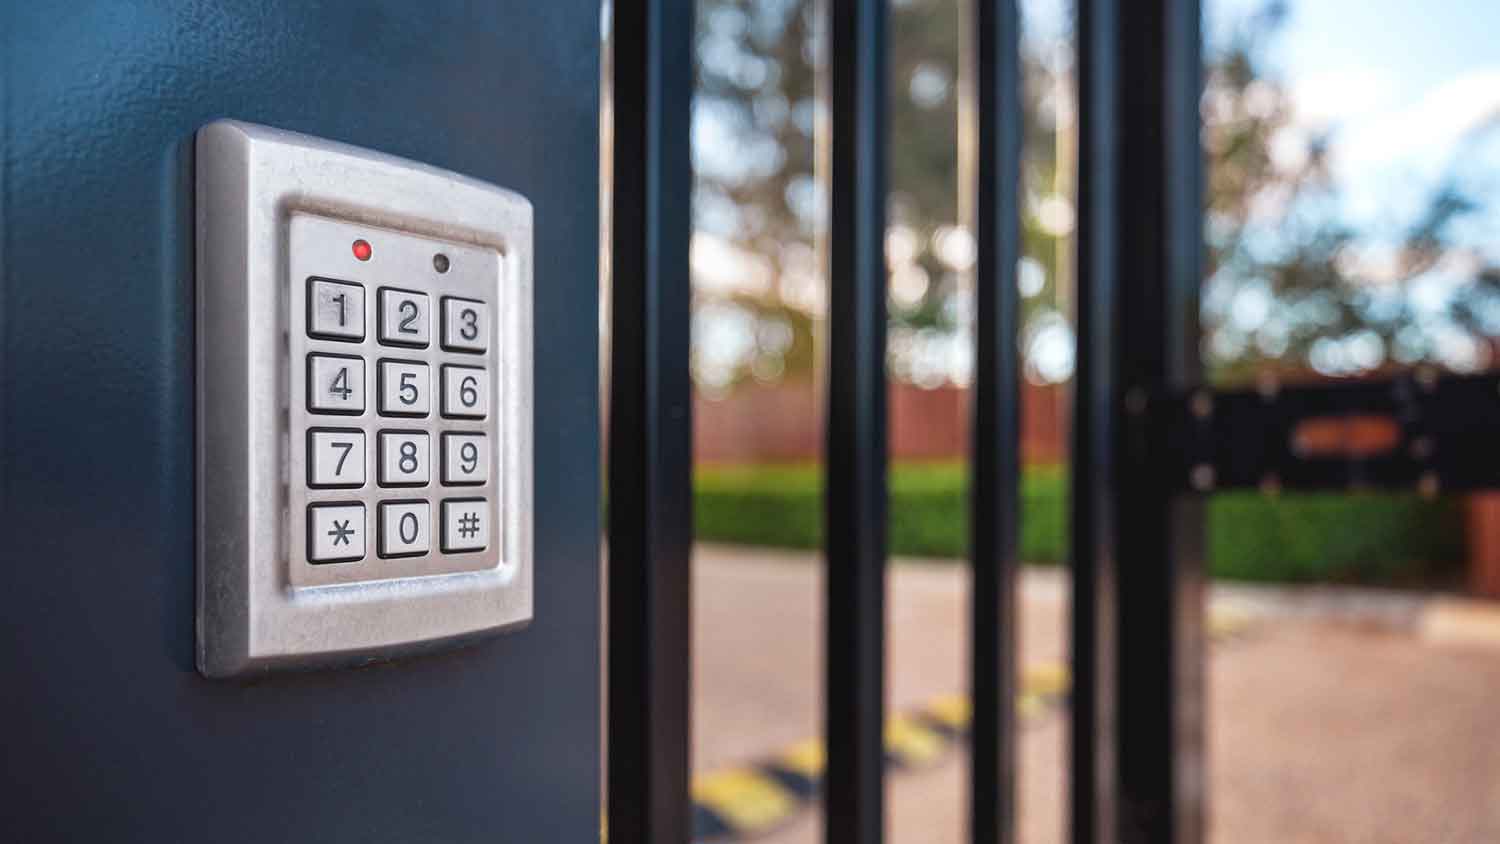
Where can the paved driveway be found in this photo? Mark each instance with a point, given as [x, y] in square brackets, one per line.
[1332, 720]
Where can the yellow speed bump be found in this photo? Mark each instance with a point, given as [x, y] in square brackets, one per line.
[911, 743]
[952, 711]
[747, 800]
[805, 757]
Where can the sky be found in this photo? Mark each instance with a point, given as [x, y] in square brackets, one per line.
[1403, 85]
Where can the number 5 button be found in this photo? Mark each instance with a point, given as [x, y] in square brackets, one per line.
[466, 459]
[403, 388]
[466, 391]
[465, 324]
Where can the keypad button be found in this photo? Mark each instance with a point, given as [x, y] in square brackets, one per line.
[466, 392]
[466, 459]
[404, 317]
[335, 309]
[466, 524]
[466, 324]
[335, 458]
[335, 384]
[404, 388]
[405, 528]
[335, 533]
[404, 458]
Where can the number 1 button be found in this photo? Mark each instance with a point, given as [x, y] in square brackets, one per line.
[335, 384]
[335, 310]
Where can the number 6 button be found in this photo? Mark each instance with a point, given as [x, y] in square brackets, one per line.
[465, 324]
[466, 392]
[466, 459]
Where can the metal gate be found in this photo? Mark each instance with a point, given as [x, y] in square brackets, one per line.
[1150, 439]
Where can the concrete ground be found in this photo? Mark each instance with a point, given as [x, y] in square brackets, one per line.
[1341, 716]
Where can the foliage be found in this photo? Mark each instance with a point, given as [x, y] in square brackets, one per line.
[1379, 538]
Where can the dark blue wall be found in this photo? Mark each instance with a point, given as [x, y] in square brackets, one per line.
[106, 730]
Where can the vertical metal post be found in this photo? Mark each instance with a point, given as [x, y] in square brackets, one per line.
[1138, 765]
[1095, 420]
[1163, 788]
[991, 154]
[853, 165]
[650, 427]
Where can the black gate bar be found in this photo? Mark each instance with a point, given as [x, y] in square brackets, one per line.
[650, 426]
[1138, 577]
[852, 164]
[991, 149]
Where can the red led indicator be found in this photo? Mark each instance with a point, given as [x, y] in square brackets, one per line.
[362, 250]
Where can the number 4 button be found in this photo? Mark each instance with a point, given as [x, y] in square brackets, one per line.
[335, 384]
[466, 324]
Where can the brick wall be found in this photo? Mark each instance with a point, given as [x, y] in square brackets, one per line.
[782, 422]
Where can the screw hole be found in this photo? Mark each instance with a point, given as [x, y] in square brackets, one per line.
[440, 262]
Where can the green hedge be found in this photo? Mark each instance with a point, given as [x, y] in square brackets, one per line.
[1384, 538]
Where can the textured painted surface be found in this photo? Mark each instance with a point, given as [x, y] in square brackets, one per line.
[109, 734]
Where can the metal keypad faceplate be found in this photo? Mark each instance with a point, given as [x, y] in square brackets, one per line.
[364, 395]
[403, 416]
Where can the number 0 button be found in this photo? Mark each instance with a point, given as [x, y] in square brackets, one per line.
[403, 317]
[405, 528]
[404, 386]
[465, 324]
[335, 384]
[466, 392]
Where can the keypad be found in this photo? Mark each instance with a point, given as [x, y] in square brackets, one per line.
[398, 433]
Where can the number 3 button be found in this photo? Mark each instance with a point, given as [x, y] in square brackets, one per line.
[466, 392]
[465, 325]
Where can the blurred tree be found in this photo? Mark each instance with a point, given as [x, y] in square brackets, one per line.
[1290, 284]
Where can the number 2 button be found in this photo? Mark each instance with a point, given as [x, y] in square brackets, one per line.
[403, 317]
[403, 388]
[335, 384]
